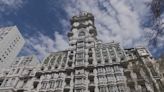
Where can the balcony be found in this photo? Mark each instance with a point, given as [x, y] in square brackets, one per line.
[100, 73]
[42, 90]
[8, 88]
[120, 81]
[131, 58]
[100, 65]
[90, 45]
[72, 47]
[102, 84]
[140, 80]
[58, 89]
[90, 39]
[72, 42]
[130, 81]
[109, 73]
[80, 86]
[127, 71]
[80, 50]
[90, 75]
[25, 76]
[67, 87]
[82, 39]
[91, 65]
[80, 65]
[156, 77]
[81, 75]
[91, 85]
[79, 58]
[69, 68]
[80, 45]
[68, 78]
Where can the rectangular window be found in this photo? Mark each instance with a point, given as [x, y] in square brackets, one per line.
[17, 71]
[6, 83]
[78, 90]
[102, 89]
[52, 83]
[43, 85]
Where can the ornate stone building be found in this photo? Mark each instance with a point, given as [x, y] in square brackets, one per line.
[89, 65]
[20, 76]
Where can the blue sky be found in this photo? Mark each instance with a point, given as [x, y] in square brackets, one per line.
[45, 23]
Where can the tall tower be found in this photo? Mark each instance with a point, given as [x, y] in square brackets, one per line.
[11, 42]
[82, 38]
[91, 58]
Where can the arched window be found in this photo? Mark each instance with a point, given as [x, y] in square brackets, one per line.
[81, 34]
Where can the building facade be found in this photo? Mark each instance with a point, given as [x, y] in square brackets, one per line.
[88, 65]
[11, 42]
[20, 76]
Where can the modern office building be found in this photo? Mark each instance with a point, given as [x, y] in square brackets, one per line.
[88, 65]
[11, 42]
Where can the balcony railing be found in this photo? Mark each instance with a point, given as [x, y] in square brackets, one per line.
[82, 75]
[69, 68]
[79, 58]
[102, 84]
[80, 85]
[91, 85]
[91, 65]
[67, 87]
[80, 44]
[78, 65]
[80, 50]
[100, 73]
[68, 77]
[91, 74]
[58, 89]
[130, 81]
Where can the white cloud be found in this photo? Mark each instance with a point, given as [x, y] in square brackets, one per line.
[118, 20]
[42, 44]
[10, 4]
[8, 7]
